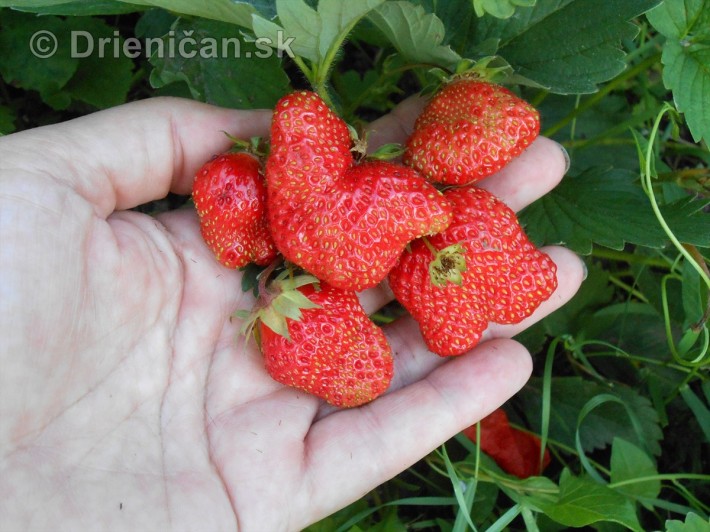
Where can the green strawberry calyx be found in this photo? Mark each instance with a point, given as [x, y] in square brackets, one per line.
[279, 301]
[255, 145]
[448, 264]
[490, 69]
[387, 152]
[359, 149]
[493, 69]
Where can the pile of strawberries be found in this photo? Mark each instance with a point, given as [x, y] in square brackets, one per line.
[328, 224]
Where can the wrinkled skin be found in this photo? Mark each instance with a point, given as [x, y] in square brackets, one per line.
[125, 402]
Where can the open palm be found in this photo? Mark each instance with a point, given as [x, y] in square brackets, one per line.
[126, 402]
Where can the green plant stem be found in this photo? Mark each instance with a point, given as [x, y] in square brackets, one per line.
[622, 128]
[666, 476]
[627, 288]
[646, 180]
[598, 96]
[322, 71]
[620, 353]
[630, 258]
[692, 499]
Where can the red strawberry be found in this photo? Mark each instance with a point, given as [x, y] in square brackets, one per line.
[346, 223]
[332, 350]
[470, 130]
[230, 197]
[481, 269]
[515, 451]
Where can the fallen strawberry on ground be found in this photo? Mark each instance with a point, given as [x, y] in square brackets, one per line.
[515, 451]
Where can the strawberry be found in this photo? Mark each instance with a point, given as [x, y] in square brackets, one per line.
[515, 451]
[230, 197]
[481, 269]
[470, 130]
[344, 222]
[329, 347]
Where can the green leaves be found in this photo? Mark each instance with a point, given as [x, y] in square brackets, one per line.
[614, 380]
[415, 34]
[591, 31]
[499, 8]
[76, 7]
[686, 56]
[583, 502]
[601, 425]
[234, 12]
[219, 66]
[60, 59]
[630, 463]
[608, 207]
[566, 46]
[693, 523]
[316, 34]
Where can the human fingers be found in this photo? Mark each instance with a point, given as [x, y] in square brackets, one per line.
[571, 271]
[350, 452]
[397, 125]
[133, 153]
[531, 175]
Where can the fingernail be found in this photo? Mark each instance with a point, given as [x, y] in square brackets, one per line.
[565, 153]
[585, 268]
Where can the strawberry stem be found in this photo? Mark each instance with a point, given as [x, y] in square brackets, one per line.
[430, 246]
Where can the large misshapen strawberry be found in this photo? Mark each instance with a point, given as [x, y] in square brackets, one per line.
[481, 269]
[344, 222]
[230, 198]
[329, 347]
[470, 130]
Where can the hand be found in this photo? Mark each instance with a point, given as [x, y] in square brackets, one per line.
[127, 404]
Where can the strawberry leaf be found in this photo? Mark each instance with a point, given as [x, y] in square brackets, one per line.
[693, 523]
[100, 81]
[499, 8]
[77, 7]
[67, 74]
[591, 31]
[602, 425]
[316, 33]
[299, 22]
[582, 502]
[628, 462]
[239, 12]
[686, 56]
[415, 34]
[252, 81]
[567, 46]
[607, 207]
[27, 71]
